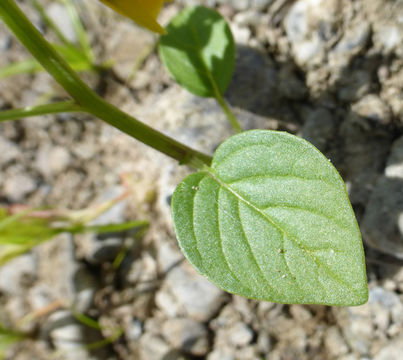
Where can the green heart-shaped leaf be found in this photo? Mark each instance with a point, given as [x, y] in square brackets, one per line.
[271, 220]
[199, 51]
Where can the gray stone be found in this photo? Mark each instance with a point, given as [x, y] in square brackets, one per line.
[187, 335]
[186, 292]
[39, 296]
[17, 186]
[373, 108]
[58, 13]
[233, 335]
[57, 266]
[334, 342]
[85, 151]
[242, 34]
[168, 256]
[248, 353]
[392, 351]
[366, 328]
[362, 157]
[263, 342]
[16, 272]
[143, 270]
[238, 5]
[133, 330]
[8, 151]
[243, 307]
[354, 84]
[319, 127]
[349, 357]
[360, 339]
[354, 40]
[301, 314]
[52, 160]
[260, 4]
[168, 304]
[309, 25]
[240, 334]
[63, 276]
[392, 92]
[387, 26]
[222, 354]
[116, 213]
[152, 347]
[227, 317]
[69, 336]
[255, 88]
[289, 85]
[85, 286]
[99, 248]
[389, 37]
[247, 18]
[4, 42]
[357, 327]
[394, 166]
[390, 303]
[127, 44]
[382, 225]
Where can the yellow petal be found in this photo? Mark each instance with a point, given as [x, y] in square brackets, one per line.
[143, 12]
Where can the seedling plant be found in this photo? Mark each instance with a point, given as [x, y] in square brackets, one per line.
[268, 216]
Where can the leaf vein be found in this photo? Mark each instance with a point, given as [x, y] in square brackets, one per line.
[252, 253]
[293, 238]
[280, 176]
[242, 148]
[310, 211]
[220, 241]
[293, 276]
[193, 223]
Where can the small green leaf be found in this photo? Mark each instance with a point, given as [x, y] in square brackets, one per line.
[271, 220]
[199, 51]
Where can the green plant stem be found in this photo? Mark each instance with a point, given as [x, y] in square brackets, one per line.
[231, 117]
[30, 37]
[58, 107]
[79, 29]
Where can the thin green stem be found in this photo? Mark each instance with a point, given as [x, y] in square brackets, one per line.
[57, 67]
[231, 117]
[50, 22]
[58, 107]
[79, 29]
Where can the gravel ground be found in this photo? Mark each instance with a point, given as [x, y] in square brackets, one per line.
[330, 71]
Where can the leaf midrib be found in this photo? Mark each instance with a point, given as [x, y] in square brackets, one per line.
[210, 172]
